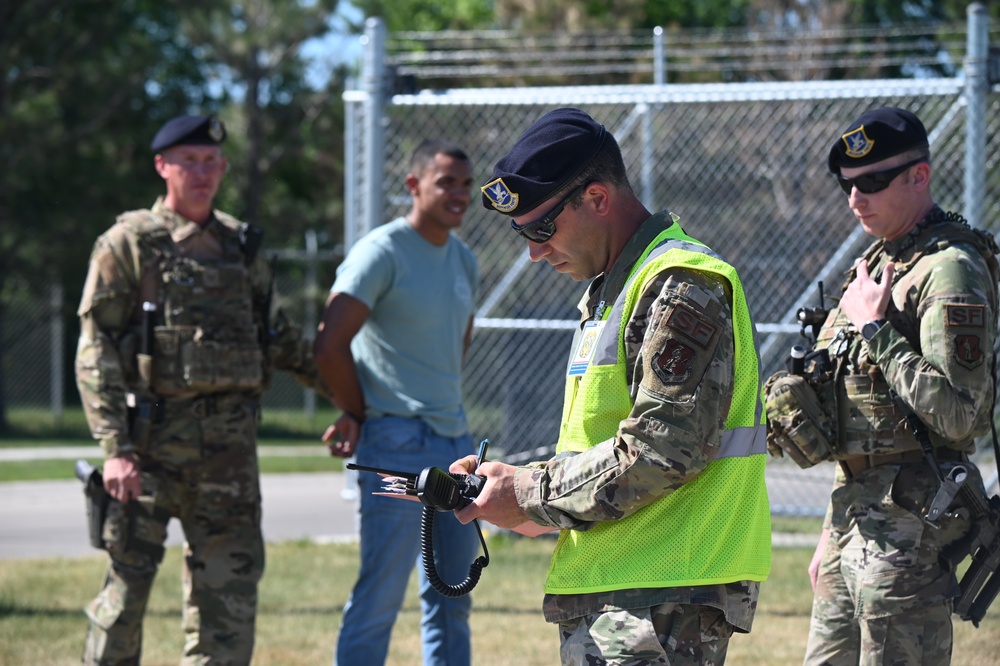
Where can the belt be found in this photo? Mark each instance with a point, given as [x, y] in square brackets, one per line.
[204, 406]
[857, 464]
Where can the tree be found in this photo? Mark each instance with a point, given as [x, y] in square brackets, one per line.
[254, 48]
[81, 82]
[86, 85]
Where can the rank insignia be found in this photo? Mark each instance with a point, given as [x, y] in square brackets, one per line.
[858, 143]
[968, 352]
[500, 195]
[673, 364]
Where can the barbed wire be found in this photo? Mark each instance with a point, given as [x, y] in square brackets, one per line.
[498, 57]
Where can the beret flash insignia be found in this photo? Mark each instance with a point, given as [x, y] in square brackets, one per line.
[500, 195]
[858, 143]
[215, 130]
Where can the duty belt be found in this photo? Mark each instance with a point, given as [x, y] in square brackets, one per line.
[858, 464]
[204, 406]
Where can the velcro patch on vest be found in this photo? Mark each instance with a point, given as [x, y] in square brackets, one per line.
[971, 316]
[691, 325]
[673, 364]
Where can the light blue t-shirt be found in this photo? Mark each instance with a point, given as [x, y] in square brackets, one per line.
[409, 351]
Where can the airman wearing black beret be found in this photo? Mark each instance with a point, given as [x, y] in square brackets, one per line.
[547, 157]
[877, 135]
[913, 334]
[664, 324]
[189, 131]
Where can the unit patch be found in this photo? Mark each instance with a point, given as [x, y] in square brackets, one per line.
[673, 364]
[689, 323]
[858, 143]
[968, 352]
[973, 316]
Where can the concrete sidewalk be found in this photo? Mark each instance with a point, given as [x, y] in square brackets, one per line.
[798, 492]
[94, 451]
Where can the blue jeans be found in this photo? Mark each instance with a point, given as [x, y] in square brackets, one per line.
[390, 548]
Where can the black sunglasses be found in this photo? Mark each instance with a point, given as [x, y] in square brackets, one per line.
[870, 183]
[544, 227]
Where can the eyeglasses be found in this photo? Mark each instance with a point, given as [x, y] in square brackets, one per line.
[544, 227]
[869, 183]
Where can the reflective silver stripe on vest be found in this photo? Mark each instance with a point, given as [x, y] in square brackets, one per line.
[606, 352]
[742, 442]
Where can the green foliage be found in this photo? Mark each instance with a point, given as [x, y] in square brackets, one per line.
[429, 15]
[287, 149]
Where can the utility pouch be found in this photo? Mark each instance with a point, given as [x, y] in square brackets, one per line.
[96, 501]
[797, 425]
[188, 361]
[141, 412]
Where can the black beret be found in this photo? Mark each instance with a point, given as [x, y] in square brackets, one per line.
[189, 131]
[548, 156]
[878, 134]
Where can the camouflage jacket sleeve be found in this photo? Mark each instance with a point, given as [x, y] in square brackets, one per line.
[108, 304]
[673, 431]
[287, 348]
[950, 300]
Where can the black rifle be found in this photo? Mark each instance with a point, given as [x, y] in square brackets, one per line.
[981, 582]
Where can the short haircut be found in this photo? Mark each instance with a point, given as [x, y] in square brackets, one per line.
[923, 152]
[607, 166]
[424, 155]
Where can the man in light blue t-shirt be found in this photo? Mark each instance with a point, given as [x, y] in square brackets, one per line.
[390, 348]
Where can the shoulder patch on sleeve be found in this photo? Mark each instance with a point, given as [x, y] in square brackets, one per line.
[673, 364]
[972, 316]
[968, 351]
[691, 325]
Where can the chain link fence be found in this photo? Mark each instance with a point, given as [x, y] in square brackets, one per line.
[746, 173]
[742, 164]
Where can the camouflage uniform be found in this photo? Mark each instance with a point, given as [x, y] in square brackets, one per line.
[197, 450]
[662, 445]
[883, 594]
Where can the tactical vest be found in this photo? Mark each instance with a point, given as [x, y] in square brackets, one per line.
[869, 421]
[714, 529]
[205, 335]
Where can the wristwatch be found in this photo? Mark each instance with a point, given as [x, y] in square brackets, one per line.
[870, 328]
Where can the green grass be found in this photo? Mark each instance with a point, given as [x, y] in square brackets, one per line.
[305, 587]
[56, 469]
[31, 426]
[34, 428]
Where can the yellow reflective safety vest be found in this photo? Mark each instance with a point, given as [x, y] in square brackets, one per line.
[714, 529]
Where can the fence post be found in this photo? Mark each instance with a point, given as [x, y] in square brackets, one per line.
[57, 337]
[352, 148]
[659, 57]
[976, 89]
[310, 317]
[374, 85]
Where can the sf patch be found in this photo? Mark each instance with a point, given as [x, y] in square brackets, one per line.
[967, 344]
[692, 325]
[973, 316]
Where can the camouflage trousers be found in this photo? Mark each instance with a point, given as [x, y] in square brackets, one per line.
[203, 471]
[883, 595]
[667, 635]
